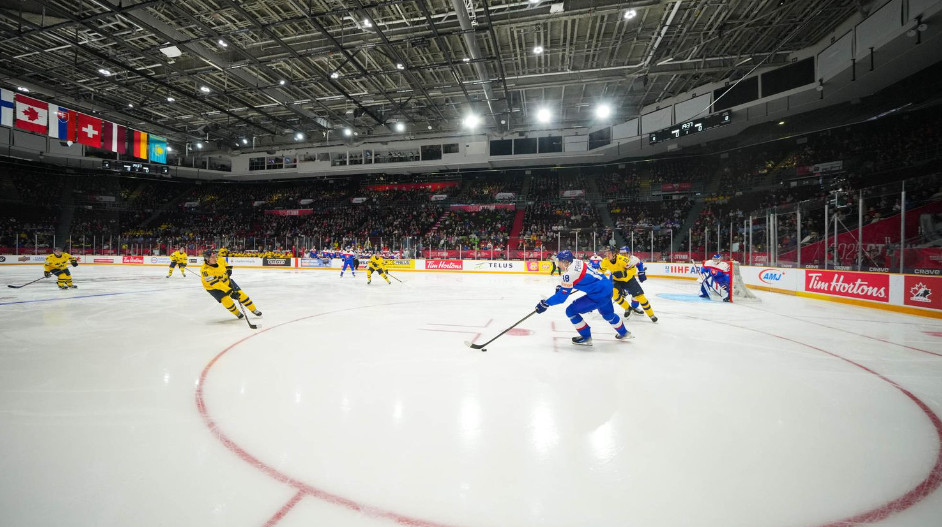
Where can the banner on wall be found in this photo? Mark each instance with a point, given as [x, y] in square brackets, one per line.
[439, 197]
[479, 208]
[922, 291]
[572, 193]
[290, 212]
[444, 265]
[314, 262]
[132, 260]
[276, 262]
[164, 260]
[864, 286]
[400, 264]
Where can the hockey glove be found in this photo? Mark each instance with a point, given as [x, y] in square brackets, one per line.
[642, 276]
[228, 271]
[618, 274]
[74, 263]
[558, 288]
[234, 293]
[542, 306]
[46, 274]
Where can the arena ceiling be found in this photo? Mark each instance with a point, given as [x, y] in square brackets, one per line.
[265, 70]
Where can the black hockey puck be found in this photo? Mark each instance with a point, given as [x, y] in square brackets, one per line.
[483, 349]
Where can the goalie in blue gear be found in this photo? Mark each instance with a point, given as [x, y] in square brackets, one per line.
[577, 275]
[715, 276]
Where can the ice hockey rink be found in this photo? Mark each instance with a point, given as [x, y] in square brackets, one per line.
[138, 400]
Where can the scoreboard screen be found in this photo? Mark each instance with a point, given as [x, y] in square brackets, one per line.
[690, 127]
[134, 167]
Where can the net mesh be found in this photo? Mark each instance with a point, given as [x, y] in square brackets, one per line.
[740, 292]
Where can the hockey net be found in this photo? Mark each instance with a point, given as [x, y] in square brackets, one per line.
[738, 290]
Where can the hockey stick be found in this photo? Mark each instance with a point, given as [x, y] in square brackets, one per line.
[245, 315]
[394, 278]
[481, 346]
[26, 284]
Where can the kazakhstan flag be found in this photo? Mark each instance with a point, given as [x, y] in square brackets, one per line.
[158, 149]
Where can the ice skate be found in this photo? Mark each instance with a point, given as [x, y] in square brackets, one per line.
[626, 336]
[582, 341]
[653, 318]
[257, 313]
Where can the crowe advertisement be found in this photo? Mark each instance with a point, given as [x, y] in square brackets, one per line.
[865, 286]
[444, 265]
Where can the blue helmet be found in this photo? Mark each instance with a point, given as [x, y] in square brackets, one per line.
[625, 249]
[565, 256]
[718, 256]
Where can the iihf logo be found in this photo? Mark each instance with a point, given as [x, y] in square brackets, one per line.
[920, 293]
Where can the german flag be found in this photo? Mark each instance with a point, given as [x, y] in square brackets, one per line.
[139, 146]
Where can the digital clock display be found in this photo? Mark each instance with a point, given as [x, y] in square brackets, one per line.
[690, 127]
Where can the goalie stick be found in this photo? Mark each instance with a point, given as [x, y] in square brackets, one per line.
[26, 284]
[481, 346]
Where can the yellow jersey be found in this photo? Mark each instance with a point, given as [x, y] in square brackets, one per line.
[215, 277]
[178, 257]
[622, 269]
[377, 263]
[59, 263]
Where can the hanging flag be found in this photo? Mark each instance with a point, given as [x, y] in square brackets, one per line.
[139, 145]
[6, 108]
[89, 130]
[158, 149]
[62, 123]
[114, 137]
[31, 115]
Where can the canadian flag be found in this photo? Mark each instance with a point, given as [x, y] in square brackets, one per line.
[31, 115]
[89, 130]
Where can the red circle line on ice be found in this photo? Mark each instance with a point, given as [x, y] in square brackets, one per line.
[907, 500]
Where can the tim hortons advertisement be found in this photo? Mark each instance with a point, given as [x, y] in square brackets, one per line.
[276, 262]
[132, 259]
[922, 291]
[165, 260]
[865, 286]
[400, 264]
[444, 265]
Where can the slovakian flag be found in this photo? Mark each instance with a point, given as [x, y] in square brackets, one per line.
[139, 145]
[89, 130]
[158, 149]
[6, 107]
[114, 137]
[62, 123]
[31, 115]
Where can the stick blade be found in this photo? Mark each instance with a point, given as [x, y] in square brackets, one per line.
[473, 346]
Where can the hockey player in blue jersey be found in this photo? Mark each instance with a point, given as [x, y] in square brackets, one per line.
[577, 275]
[348, 262]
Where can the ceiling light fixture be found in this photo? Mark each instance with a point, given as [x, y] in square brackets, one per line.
[199, 146]
[400, 127]
[204, 89]
[335, 75]
[299, 136]
[538, 49]
[429, 127]
[780, 123]
[543, 115]
[223, 43]
[347, 132]
[281, 82]
[631, 13]
[104, 72]
[367, 23]
[400, 66]
[603, 111]
[130, 105]
[23, 89]
[245, 141]
[170, 99]
[169, 148]
[471, 121]
[466, 59]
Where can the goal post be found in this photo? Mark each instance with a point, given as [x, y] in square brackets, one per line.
[738, 291]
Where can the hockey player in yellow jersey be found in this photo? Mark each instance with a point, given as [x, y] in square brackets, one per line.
[627, 274]
[57, 264]
[178, 259]
[219, 286]
[376, 263]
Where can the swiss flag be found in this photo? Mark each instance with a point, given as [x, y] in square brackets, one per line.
[89, 130]
[31, 115]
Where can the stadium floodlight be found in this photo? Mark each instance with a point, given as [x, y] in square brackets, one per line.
[537, 50]
[347, 132]
[204, 89]
[603, 111]
[471, 121]
[543, 115]
[400, 127]
[299, 136]
[631, 13]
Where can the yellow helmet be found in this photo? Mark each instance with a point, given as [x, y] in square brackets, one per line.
[223, 252]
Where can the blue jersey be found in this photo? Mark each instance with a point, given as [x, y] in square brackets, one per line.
[583, 278]
[348, 259]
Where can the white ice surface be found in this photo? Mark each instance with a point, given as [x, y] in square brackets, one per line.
[356, 405]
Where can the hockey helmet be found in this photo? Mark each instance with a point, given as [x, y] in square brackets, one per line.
[565, 256]
[223, 252]
[718, 256]
[625, 249]
[208, 253]
[57, 250]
